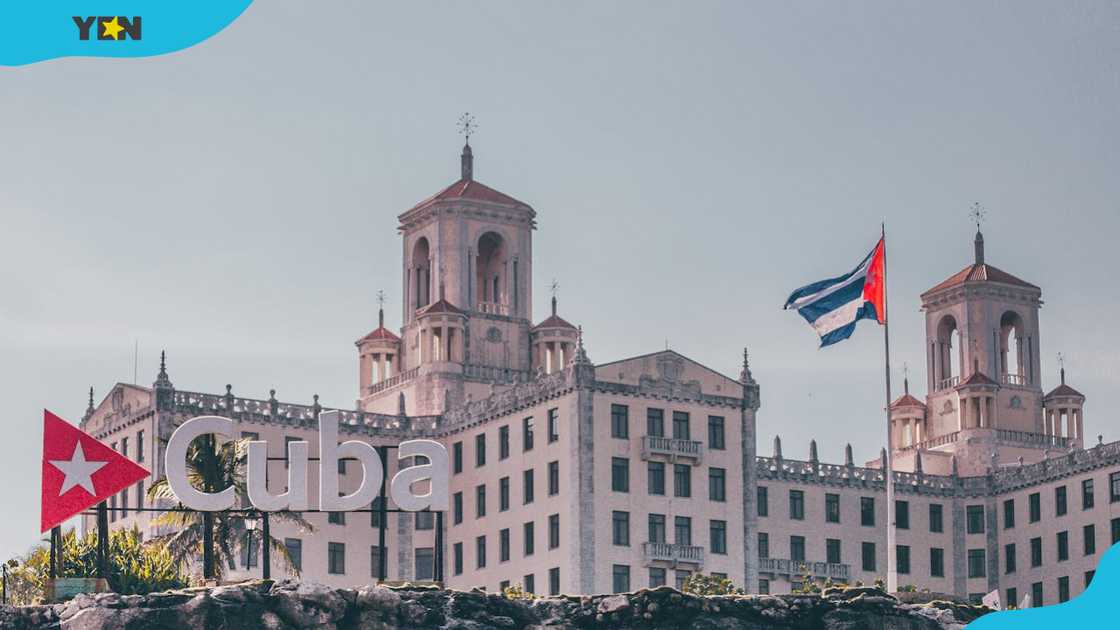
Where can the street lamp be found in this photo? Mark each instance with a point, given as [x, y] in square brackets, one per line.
[251, 526]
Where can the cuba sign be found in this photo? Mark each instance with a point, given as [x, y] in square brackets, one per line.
[330, 452]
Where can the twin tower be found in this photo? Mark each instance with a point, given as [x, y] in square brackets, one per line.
[467, 306]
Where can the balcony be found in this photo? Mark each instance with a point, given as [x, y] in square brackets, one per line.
[672, 448]
[673, 553]
[948, 383]
[797, 568]
[493, 308]
[1014, 380]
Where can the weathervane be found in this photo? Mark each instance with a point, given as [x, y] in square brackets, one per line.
[554, 287]
[978, 213]
[467, 126]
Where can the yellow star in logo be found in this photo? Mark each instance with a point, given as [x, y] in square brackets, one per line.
[112, 28]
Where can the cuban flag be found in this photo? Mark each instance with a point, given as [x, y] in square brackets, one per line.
[832, 307]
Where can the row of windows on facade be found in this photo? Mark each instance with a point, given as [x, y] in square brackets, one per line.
[1038, 592]
[657, 576]
[620, 428]
[682, 531]
[977, 558]
[122, 448]
[528, 544]
[975, 521]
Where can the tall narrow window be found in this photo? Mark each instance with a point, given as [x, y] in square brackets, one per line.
[553, 531]
[683, 530]
[682, 480]
[530, 538]
[503, 494]
[717, 484]
[762, 505]
[480, 552]
[717, 532]
[336, 558]
[656, 528]
[655, 422]
[975, 519]
[457, 457]
[620, 421]
[1087, 494]
[867, 511]
[656, 474]
[620, 528]
[797, 548]
[1060, 503]
[680, 426]
[553, 478]
[527, 486]
[902, 514]
[620, 474]
[480, 450]
[503, 442]
[832, 551]
[797, 505]
[936, 518]
[527, 434]
[715, 433]
[831, 508]
[553, 425]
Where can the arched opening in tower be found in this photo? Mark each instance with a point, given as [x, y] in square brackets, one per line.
[1011, 359]
[491, 277]
[421, 273]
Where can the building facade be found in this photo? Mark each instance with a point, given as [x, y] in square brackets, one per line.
[576, 477]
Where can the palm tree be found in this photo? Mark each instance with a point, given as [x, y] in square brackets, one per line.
[212, 468]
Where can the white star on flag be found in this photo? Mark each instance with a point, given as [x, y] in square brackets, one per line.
[78, 471]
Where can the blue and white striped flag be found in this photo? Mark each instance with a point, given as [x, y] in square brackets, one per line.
[832, 307]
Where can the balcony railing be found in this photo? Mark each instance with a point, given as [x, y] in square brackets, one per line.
[393, 381]
[671, 447]
[493, 308]
[1034, 439]
[948, 383]
[1016, 380]
[673, 553]
[794, 568]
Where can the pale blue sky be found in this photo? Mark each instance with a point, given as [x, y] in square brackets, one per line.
[691, 163]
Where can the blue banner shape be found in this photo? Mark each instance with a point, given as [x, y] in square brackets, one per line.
[1096, 607]
[42, 30]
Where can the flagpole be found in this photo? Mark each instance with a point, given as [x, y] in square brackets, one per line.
[888, 468]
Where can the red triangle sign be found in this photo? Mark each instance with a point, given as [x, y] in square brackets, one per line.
[79, 471]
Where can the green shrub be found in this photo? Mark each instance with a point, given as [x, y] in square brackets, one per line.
[700, 584]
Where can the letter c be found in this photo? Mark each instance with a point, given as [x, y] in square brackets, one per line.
[176, 464]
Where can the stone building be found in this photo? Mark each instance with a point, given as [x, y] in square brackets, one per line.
[576, 477]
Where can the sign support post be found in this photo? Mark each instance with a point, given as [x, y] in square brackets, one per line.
[102, 540]
[266, 540]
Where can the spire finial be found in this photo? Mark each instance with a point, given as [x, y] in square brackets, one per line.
[1062, 363]
[467, 127]
[555, 288]
[380, 308]
[978, 213]
[163, 364]
[905, 378]
[848, 455]
[745, 375]
[89, 408]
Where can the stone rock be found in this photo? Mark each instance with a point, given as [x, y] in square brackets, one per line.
[614, 603]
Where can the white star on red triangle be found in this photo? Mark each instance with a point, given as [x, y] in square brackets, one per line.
[78, 471]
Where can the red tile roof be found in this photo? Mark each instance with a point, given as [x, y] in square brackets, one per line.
[980, 273]
[1064, 390]
[441, 306]
[554, 321]
[977, 378]
[470, 189]
[906, 400]
[381, 333]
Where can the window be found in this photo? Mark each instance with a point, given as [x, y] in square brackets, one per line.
[457, 508]
[657, 528]
[831, 508]
[656, 577]
[140, 446]
[425, 563]
[530, 539]
[336, 518]
[1009, 558]
[620, 474]
[762, 505]
[679, 578]
[457, 558]
[480, 450]
[680, 425]
[902, 514]
[902, 558]
[655, 423]
[763, 587]
[503, 442]
[682, 526]
[763, 545]
[480, 501]
[1036, 552]
[715, 433]
[1114, 487]
[717, 484]
[797, 548]
[976, 563]
[288, 440]
[553, 478]
[1060, 506]
[867, 511]
[1035, 503]
[124, 446]
[868, 553]
[249, 551]
[620, 578]
[620, 421]
[503, 494]
[717, 531]
[553, 425]
[1087, 494]
[527, 487]
[124, 502]
[832, 551]
[553, 531]
[1009, 514]
[1012, 598]
[1089, 578]
[1063, 546]
[797, 504]
[1089, 536]
[375, 512]
[425, 520]
[457, 457]
[1063, 588]
[1115, 530]
[530, 582]
[113, 508]
[936, 562]
[656, 475]
[140, 495]
[480, 552]
[336, 558]
[620, 528]
[503, 545]
[295, 552]
[554, 581]
[936, 518]
[682, 480]
[527, 434]
[503, 585]
[975, 516]
[1036, 595]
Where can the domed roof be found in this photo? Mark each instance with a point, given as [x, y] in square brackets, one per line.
[1063, 389]
[906, 400]
[979, 271]
[554, 320]
[441, 306]
[381, 333]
